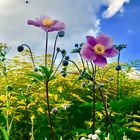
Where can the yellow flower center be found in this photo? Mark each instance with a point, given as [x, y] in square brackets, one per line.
[99, 49]
[47, 22]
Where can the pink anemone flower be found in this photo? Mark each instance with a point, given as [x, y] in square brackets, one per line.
[97, 49]
[47, 24]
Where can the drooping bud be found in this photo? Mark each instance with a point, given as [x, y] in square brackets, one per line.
[65, 62]
[54, 110]
[67, 57]
[61, 33]
[118, 67]
[20, 48]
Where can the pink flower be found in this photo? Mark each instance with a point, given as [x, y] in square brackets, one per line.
[97, 49]
[47, 24]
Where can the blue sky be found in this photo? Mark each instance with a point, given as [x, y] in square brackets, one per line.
[125, 28]
[116, 18]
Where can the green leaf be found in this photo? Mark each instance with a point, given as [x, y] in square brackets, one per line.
[5, 134]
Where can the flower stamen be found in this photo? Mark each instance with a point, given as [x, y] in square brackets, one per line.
[47, 22]
[99, 49]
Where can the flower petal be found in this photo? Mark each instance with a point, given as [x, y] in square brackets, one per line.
[33, 22]
[87, 53]
[111, 52]
[100, 61]
[57, 26]
[105, 41]
[91, 40]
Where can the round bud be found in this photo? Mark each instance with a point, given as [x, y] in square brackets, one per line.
[64, 74]
[67, 57]
[58, 49]
[61, 33]
[63, 52]
[83, 84]
[9, 88]
[76, 45]
[20, 48]
[65, 62]
[118, 67]
[101, 85]
[35, 69]
[81, 44]
[54, 110]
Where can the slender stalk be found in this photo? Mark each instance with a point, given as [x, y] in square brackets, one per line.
[75, 65]
[118, 74]
[30, 54]
[53, 59]
[58, 66]
[46, 49]
[82, 61]
[94, 98]
[107, 115]
[47, 90]
[49, 114]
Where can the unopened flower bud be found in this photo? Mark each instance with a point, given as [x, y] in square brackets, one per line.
[61, 33]
[20, 48]
[118, 67]
[54, 110]
[67, 57]
[100, 85]
[58, 49]
[64, 74]
[83, 84]
[9, 88]
[65, 62]
[35, 69]
[76, 45]
[63, 52]
[81, 44]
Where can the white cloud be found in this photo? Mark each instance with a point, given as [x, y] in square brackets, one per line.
[79, 16]
[114, 6]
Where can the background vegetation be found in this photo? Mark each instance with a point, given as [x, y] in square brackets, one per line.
[23, 103]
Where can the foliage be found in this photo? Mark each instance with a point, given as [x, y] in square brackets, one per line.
[22, 98]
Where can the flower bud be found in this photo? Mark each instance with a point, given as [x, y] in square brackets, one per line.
[65, 62]
[54, 110]
[58, 49]
[67, 57]
[9, 88]
[83, 84]
[64, 74]
[63, 52]
[20, 48]
[35, 69]
[118, 67]
[76, 45]
[61, 33]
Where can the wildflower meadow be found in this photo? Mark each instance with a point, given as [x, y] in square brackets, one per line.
[57, 97]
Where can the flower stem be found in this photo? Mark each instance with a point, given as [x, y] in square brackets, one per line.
[94, 98]
[46, 49]
[107, 115]
[53, 59]
[49, 114]
[47, 90]
[118, 74]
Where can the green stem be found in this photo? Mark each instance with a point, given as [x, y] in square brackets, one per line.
[53, 59]
[49, 114]
[94, 98]
[107, 115]
[118, 75]
[46, 49]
